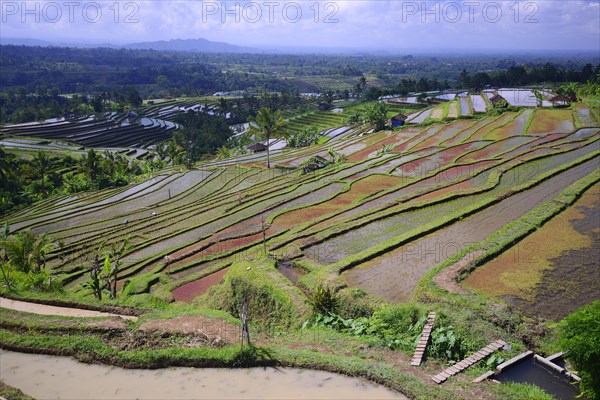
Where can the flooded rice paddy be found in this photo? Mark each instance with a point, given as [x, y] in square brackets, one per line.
[394, 275]
[553, 271]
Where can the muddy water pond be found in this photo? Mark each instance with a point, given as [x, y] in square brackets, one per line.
[531, 372]
[52, 377]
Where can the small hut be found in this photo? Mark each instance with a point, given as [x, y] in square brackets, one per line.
[560, 101]
[498, 101]
[257, 147]
[324, 106]
[398, 120]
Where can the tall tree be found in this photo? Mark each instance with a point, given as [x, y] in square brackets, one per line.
[19, 249]
[42, 164]
[6, 168]
[376, 116]
[201, 134]
[267, 125]
[569, 89]
[539, 98]
[90, 163]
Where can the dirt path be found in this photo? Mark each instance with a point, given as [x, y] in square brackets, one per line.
[446, 278]
[44, 309]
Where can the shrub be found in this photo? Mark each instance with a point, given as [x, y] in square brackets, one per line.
[580, 337]
[325, 301]
[269, 304]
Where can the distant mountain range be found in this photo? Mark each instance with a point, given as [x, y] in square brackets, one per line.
[201, 45]
[182, 45]
[192, 45]
[24, 42]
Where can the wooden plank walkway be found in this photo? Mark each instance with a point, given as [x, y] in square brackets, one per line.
[467, 362]
[422, 345]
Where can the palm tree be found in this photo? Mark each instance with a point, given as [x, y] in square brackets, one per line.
[223, 153]
[19, 250]
[377, 116]
[40, 247]
[569, 89]
[6, 167]
[90, 164]
[539, 98]
[161, 151]
[42, 164]
[267, 125]
[27, 251]
[4, 234]
[174, 152]
[223, 107]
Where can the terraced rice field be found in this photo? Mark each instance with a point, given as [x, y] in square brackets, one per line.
[109, 130]
[523, 97]
[465, 106]
[479, 105]
[381, 220]
[554, 270]
[453, 110]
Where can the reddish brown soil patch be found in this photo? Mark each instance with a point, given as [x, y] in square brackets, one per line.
[261, 164]
[483, 153]
[549, 138]
[409, 168]
[411, 142]
[214, 329]
[446, 278]
[359, 189]
[456, 151]
[191, 290]
[438, 193]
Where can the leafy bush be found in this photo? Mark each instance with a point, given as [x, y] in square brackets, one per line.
[269, 305]
[304, 138]
[580, 337]
[26, 282]
[445, 344]
[325, 301]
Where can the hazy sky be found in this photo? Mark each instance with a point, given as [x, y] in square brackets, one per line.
[395, 25]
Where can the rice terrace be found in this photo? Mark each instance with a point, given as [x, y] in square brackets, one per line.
[173, 219]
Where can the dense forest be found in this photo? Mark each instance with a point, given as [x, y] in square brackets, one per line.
[153, 73]
[35, 80]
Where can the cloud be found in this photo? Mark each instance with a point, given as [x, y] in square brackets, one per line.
[344, 23]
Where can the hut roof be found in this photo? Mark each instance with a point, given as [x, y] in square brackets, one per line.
[560, 98]
[496, 98]
[256, 147]
[399, 117]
